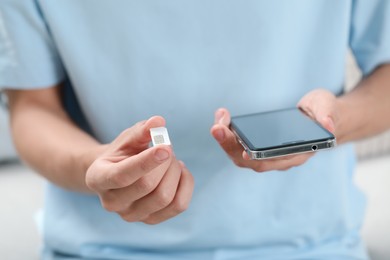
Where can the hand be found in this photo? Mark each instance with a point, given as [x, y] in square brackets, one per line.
[141, 183]
[319, 104]
[322, 106]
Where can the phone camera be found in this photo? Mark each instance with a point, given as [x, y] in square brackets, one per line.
[314, 147]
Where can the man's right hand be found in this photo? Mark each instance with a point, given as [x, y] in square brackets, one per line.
[141, 183]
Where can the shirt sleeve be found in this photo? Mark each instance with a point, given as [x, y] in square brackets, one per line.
[370, 33]
[28, 55]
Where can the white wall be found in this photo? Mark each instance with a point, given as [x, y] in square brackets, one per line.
[6, 148]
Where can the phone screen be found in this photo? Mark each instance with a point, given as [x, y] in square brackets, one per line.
[278, 129]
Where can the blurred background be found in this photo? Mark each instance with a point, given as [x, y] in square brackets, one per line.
[21, 192]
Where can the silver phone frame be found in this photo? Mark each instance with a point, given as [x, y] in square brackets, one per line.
[298, 148]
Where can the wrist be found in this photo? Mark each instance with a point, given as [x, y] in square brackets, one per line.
[344, 122]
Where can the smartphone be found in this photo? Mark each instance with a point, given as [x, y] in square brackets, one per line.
[279, 133]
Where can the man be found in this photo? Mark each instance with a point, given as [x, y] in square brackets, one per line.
[113, 197]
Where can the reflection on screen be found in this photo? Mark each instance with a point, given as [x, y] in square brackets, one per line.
[277, 128]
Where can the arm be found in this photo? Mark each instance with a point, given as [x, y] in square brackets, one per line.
[137, 182]
[361, 113]
[48, 140]
[365, 110]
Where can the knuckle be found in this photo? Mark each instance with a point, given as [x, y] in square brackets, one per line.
[152, 221]
[259, 168]
[144, 165]
[115, 177]
[91, 182]
[110, 205]
[126, 132]
[111, 202]
[144, 185]
[180, 206]
[163, 198]
[238, 162]
[128, 217]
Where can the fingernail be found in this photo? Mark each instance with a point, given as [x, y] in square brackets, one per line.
[219, 135]
[161, 155]
[331, 125]
[219, 116]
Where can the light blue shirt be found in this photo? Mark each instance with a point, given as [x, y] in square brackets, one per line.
[129, 60]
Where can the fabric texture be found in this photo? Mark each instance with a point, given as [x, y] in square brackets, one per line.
[125, 61]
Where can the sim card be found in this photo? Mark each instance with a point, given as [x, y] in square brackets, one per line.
[160, 136]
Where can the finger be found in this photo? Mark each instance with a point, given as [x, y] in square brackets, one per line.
[227, 140]
[179, 204]
[320, 105]
[284, 157]
[294, 161]
[229, 143]
[222, 116]
[139, 189]
[328, 123]
[280, 163]
[137, 137]
[160, 198]
[235, 151]
[127, 171]
[120, 200]
[324, 115]
[225, 137]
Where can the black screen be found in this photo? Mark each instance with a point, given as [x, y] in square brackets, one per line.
[278, 128]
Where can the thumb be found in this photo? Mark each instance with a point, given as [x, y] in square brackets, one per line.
[327, 122]
[320, 105]
[322, 116]
[222, 116]
[137, 138]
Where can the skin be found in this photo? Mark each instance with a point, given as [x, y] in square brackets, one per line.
[149, 184]
[359, 114]
[137, 182]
